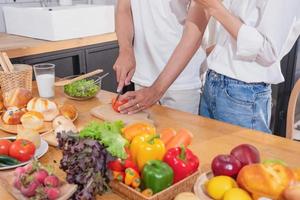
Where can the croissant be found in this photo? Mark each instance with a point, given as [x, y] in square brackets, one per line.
[266, 180]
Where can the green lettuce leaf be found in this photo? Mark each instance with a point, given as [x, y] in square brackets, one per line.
[108, 134]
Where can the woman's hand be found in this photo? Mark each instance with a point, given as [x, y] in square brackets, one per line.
[139, 100]
[211, 6]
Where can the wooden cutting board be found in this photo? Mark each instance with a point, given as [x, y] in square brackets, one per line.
[7, 181]
[105, 112]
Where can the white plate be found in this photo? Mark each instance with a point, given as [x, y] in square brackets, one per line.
[38, 153]
[199, 187]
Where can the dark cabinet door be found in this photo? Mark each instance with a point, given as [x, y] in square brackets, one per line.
[67, 62]
[104, 57]
[81, 60]
[281, 93]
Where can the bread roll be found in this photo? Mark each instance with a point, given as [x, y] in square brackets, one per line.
[33, 120]
[17, 98]
[12, 116]
[292, 192]
[186, 196]
[65, 129]
[30, 135]
[46, 107]
[265, 180]
[68, 111]
[60, 120]
[63, 124]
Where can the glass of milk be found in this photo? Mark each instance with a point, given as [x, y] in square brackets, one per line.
[45, 77]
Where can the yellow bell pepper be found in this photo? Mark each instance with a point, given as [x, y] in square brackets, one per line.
[146, 147]
[132, 130]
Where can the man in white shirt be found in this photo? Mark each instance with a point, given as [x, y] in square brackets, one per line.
[254, 37]
[148, 32]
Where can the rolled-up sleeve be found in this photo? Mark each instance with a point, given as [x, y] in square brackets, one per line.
[249, 42]
[265, 42]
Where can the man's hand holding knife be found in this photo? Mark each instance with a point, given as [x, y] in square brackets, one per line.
[137, 100]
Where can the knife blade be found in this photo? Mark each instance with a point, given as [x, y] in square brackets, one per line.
[119, 94]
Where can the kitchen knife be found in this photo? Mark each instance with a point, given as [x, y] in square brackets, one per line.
[119, 94]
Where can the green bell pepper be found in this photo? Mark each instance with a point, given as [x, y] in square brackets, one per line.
[157, 175]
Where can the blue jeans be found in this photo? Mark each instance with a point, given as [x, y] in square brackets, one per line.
[236, 102]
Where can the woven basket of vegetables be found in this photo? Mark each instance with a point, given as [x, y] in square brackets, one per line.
[129, 193]
[162, 165]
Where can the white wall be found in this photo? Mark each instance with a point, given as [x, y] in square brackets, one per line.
[37, 3]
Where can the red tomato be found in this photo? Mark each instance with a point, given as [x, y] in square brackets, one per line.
[4, 147]
[22, 150]
[116, 105]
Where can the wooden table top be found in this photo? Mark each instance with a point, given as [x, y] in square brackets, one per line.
[211, 137]
[18, 46]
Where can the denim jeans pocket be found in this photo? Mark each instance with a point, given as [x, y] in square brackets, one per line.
[235, 107]
[263, 92]
[240, 94]
[246, 105]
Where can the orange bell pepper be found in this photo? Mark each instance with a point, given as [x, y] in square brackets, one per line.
[131, 177]
[132, 130]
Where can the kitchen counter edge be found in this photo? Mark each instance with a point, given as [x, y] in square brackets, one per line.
[18, 46]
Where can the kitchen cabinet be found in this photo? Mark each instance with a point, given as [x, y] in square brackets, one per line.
[103, 57]
[290, 67]
[80, 60]
[67, 63]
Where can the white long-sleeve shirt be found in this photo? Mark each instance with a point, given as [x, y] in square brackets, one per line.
[270, 29]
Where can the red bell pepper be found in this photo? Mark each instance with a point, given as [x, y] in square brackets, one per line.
[130, 164]
[182, 161]
[116, 165]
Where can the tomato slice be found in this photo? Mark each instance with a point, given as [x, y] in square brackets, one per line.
[4, 146]
[117, 104]
[22, 150]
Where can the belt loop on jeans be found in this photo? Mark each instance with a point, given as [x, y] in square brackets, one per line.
[215, 75]
[221, 80]
[209, 72]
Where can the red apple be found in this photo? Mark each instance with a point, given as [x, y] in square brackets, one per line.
[226, 165]
[247, 154]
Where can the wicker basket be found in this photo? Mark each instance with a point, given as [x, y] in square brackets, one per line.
[20, 78]
[186, 185]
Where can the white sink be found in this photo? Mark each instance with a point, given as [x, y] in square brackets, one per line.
[59, 23]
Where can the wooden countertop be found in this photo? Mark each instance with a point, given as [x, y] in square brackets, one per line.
[211, 137]
[18, 46]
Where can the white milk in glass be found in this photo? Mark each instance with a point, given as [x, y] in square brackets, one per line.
[45, 85]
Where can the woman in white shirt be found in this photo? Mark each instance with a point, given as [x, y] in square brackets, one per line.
[254, 36]
[245, 61]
